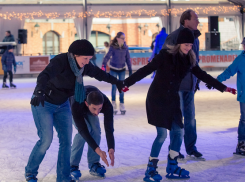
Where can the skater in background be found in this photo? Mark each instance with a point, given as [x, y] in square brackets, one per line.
[8, 61]
[159, 41]
[107, 47]
[163, 101]
[118, 55]
[61, 79]
[8, 38]
[188, 86]
[238, 66]
[87, 123]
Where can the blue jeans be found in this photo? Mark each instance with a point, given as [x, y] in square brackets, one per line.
[93, 125]
[241, 127]
[188, 112]
[121, 76]
[176, 136]
[45, 118]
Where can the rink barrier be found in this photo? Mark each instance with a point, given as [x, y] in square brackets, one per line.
[35, 64]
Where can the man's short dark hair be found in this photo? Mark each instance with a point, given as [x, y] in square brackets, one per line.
[163, 29]
[186, 15]
[95, 97]
[8, 31]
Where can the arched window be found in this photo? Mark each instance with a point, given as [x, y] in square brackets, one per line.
[51, 43]
[98, 38]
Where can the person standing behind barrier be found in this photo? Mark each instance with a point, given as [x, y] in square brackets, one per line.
[160, 39]
[118, 55]
[8, 60]
[8, 38]
[189, 84]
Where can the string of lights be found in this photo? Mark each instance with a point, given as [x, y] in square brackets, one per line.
[120, 14]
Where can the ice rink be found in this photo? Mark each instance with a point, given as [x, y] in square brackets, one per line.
[217, 116]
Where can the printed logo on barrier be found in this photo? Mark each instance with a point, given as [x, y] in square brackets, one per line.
[139, 61]
[217, 58]
[38, 64]
[20, 64]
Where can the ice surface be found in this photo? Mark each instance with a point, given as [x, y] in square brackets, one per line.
[217, 116]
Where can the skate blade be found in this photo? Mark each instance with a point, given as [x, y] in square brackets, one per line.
[193, 158]
[123, 112]
[98, 175]
[177, 177]
[146, 179]
[5, 88]
[239, 154]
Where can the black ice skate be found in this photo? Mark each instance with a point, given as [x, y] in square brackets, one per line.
[240, 149]
[4, 86]
[196, 156]
[12, 85]
[181, 158]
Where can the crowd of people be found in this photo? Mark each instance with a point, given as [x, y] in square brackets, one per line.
[61, 99]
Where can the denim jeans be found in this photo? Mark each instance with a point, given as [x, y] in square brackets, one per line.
[121, 76]
[45, 118]
[176, 137]
[93, 125]
[241, 127]
[188, 112]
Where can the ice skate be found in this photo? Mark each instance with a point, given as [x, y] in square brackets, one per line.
[122, 108]
[4, 86]
[151, 175]
[114, 105]
[31, 178]
[75, 173]
[12, 85]
[240, 149]
[175, 172]
[98, 170]
[196, 156]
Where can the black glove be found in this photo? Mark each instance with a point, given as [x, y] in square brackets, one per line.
[39, 97]
[209, 86]
[130, 72]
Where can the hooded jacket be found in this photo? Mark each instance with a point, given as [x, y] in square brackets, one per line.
[238, 66]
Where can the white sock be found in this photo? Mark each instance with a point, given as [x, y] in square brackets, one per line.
[152, 158]
[173, 154]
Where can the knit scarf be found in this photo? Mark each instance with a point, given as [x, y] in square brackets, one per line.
[80, 94]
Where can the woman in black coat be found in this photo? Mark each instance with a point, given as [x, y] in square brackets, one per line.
[61, 79]
[163, 102]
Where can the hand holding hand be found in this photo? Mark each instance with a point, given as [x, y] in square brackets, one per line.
[112, 157]
[231, 90]
[121, 86]
[102, 155]
[39, 97]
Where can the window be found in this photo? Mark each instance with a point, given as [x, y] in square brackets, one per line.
[51, 43]
[98, 38]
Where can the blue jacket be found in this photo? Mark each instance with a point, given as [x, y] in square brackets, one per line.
[8, 60]
[160, 39]
[190, 81]
[118, 57]
[238, 66]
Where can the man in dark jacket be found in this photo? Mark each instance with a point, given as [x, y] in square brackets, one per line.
[8, 60]
[8, 38]
[86, 121]
[189, 84]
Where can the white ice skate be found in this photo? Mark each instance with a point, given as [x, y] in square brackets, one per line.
[114, 105]
[122, 108]
[195, 156]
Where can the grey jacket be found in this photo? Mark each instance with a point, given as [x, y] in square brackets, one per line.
[190, 81]
[118, 57]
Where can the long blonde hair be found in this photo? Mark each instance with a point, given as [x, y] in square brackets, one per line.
[174, 49]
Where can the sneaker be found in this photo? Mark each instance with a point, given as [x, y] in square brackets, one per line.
[97, 170]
